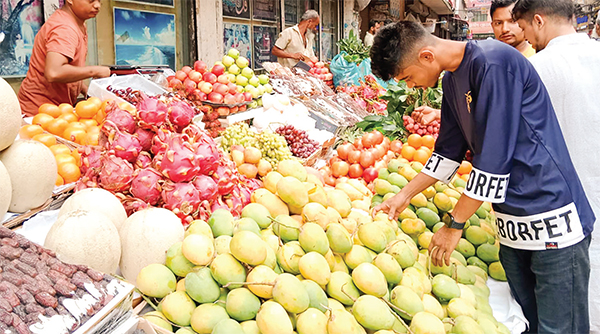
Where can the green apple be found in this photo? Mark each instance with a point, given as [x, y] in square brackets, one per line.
[254, 91]
[231, 77]
[247, 71]
[227, 61]
[261, 89]
[264, 79]
[248, 88]
[219, 63]
[253, 105]
[254, 81]
[240, 88]
[233, 53]
[242, 62]
[259, 102]
[268, 88]
[241, 80]
[234, 69]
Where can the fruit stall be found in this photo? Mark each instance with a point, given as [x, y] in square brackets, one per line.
[220, 200]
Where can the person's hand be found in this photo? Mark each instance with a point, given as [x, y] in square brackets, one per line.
[298, 56]
[393, 206]
[101, 71]
[426, 115]
[442, 244]
[314, 59]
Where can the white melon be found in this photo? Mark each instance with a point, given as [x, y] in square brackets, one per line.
[10, 115]
[96, 200]
[32, 169]
[5, 190]
[90, 238]
[145, 238]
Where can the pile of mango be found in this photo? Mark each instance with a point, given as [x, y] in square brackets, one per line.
[330, 268]
[426, 212]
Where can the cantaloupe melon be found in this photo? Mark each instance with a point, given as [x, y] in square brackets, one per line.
[10, 115]
[32, 169]
[96, 200]
[82, 237]
[5, 190]
[145, 238]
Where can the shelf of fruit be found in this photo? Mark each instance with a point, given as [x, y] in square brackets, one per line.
[367, 95]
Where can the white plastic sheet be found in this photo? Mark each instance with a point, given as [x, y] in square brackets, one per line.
[505, 307]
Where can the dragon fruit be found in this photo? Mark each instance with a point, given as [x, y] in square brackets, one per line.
[116, 173]
[132, 204]
[369, 93]
[207, 187]
[125, 145]
[178, 161]
[90, 159]
[379, 107]
[146, 186]
[151, 112]
[145, 138]
[159, 141]
[182, 198]
[226, 176]
[205, 148]
[180, 114]
[122, 119]
[144, 160]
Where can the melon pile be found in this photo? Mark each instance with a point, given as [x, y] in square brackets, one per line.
[304, 259]
[27, 168]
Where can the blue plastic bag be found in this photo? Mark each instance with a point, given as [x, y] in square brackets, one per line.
[344, 73]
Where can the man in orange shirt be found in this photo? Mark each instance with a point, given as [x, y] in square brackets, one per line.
[57, 66]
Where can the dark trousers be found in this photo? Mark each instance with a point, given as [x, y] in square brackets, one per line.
[551, 286]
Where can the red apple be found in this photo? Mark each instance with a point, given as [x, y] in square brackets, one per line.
[189, 85]
[232, 87]
[176, 83]
[181, 75]
[206, 87]
[319, 64]
[229, 99]
[242, 108]
[200, 66]
[195, 95]
[239, 97]
[215, 97]
[223, 79]
[195, 76]
[202, 96]
[186, 69]
[218, 69]
[170, 77]
[209, 77]
[223, 111]
[220, 88]
[247, 97]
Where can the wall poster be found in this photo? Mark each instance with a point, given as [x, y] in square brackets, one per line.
[20, 20]
[265, 10]
[237, 36]
[264, 39]
[144, 38]
[236, 8]
[167, 3]
[50, 6]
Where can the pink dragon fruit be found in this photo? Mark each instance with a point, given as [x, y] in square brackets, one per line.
[90, 159]
[159, 141]
[116, 173]
[181, 198]
[180, 114]
[145, 138]
[380, 107]
[146, 185]
[362, 103]
[206, 150]
[151, 112]
[125, 145]
[178, 161]
[219, 204]
[207, 187]
[226, 176]
[122, 119]
[144, 160]
[369, 93]
[132, 204]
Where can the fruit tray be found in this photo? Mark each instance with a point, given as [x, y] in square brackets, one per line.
[214, 104]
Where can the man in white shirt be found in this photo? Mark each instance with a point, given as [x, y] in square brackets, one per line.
[373, 27]
[569, 65]
[296, 43]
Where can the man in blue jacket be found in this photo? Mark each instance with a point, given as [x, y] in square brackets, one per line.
[496, 105]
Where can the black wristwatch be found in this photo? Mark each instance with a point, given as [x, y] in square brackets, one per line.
[451, 223]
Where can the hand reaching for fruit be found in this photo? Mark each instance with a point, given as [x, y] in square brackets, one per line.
[426, 115]
[298, 56]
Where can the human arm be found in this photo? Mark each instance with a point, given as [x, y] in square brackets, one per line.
[395, 205]
[426, 115]
[59, 70]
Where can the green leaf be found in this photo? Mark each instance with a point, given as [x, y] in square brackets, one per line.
[374, 118]
[389, 127]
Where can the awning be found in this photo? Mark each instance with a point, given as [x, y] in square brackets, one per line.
[440, 7]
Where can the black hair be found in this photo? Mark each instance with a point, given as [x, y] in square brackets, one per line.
[372, 23]
[526, 9]
[387, 21]
[500, 4]
[393, 45]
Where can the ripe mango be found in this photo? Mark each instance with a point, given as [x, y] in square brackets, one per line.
[286, 227]
[228, 326]
[242, 304]
[201, 286]
[273, 319]
[466, 325]
[382, 187]
[452, 193]
[225, 268]
[246, 224]
[206, 316]
[424, 323]
[370, 280]
[311, 321]
[413, 226]
[248, 248]
[156, 280]
[257, 212]
[372, 313]
[352, 192]
[273, 203]
[431, 305]
[261, 274]
[290, 293]
[159, 320]
[199, 227]
[397, 180]
[339, 239]
[340, 280]
[393, 166]
[402, 252]
[338, 200]
[408, 172]
[444, 287]
[419, 201]
[357, 255]
[313, 238]
[389, 267]
[497, 271]
[292, 191]
[222, 244]
[288, 257]
[464, 275]
[406, 300]
[442, 202]
[175, 261]
[313, 266]
[372, 236]
[178, 308]
[292, 168]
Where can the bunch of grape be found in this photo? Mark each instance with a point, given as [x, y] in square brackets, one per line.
[298, 141]
[412, 126]
[238, 134]
[274, 147]
[127, 94]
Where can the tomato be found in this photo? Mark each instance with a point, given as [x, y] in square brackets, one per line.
[378, 137]
[340, 168]
[368, 140]
[355, 171]
[366, 159]
[396, 146]
[370, 174]
[344, 149]
[354, 157]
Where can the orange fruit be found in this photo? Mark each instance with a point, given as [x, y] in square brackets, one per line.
[415, 140]
[465, 167]
[30, 130]
[77, 157]
[42, 120]
[45, 138]
[69, 172]
[57, 126]
[95, 101]
[423, 148]
[407, 152]
[64, 158]
[49, 109]
[60, 149]
[428, 141]
[421, 156]
[74, 134]
[86, 109]
[69, 117]
[59, 181]
[88, 122]
[78, 125]
[65, 108]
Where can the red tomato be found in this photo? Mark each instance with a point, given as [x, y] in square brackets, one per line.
[340, 168]
[366, 159]
[355, 171]
[354, 157]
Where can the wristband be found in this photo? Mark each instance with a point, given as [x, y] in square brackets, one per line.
[451, 223]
